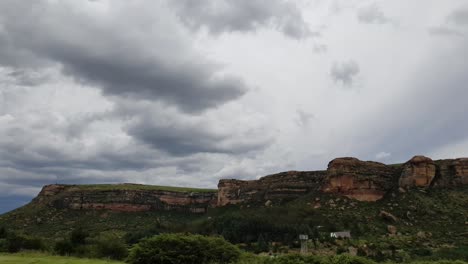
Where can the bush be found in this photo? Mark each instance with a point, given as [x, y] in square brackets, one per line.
[346, 259]
[110, 246]
[295, 259]
[182, 248]
[14, 243]
[3, 245]
[78, 236]
[460, 253]
[64, 247]
[3, 232]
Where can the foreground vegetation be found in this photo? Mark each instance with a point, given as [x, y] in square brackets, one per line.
[40, 258]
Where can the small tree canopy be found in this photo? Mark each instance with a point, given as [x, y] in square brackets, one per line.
[182, 249]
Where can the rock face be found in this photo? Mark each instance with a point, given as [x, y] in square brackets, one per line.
[350, 177]
[418, 172]
[286, 185]
[124, 200]
[360, 180]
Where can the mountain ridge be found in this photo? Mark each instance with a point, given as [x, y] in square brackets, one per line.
[350, 177]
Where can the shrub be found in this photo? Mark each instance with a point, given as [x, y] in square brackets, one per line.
[64, 247]
[110, 246]
[295, 259]
[182, 248]
[3, 232]
[3, 245]
[14, 243]
[78, 236]
[347, 259]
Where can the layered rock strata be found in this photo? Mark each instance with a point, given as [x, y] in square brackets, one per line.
[418, 172]
[125, 200]
[360, 180]
[350, 177]
[286, 185]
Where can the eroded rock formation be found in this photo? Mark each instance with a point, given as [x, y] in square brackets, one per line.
[350, 177]
[418, 172]
[125, 200]
[286, 185]
[360, 180]
[461, 170]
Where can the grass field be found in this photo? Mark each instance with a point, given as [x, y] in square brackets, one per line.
[37, 258]
[127, 186]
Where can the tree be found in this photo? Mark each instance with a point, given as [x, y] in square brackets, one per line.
[64, 247]
[3, 232]
[110, 246]
[183, 248]
[262, 245]
[78, 236]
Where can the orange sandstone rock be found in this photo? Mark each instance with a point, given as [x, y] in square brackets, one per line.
[418, 172]
[360, 180]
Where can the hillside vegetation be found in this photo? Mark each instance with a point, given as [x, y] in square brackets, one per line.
[39, 258]
[421, 224]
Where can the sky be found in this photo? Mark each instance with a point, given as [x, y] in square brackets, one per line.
[184, 93]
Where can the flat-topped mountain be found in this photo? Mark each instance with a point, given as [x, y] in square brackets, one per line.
[126, 197]
[349, 177]
[411, 205]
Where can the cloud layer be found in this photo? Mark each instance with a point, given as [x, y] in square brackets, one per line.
[173, 93]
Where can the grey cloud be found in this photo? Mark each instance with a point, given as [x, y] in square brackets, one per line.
[459, 16]
[220, 16]
[303, 118]
[344, 72]
[122, 59]
[134, 141]
[455, 24]
[372, 14]
[429, 116]
[444, 31]
[182, 135]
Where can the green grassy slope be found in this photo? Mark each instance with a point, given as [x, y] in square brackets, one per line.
[129, 186]
[429, 222]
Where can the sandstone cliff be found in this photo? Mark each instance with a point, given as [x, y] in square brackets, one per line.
[286, 185]
[350, 177]
[360, 180]
[125, 198]
[418, 172]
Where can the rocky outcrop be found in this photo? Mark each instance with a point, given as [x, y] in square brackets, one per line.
[418, 172]
[124, 199]
[350, 177]
[360, 180]
[451, 173]
[461, 170]
[282, 186]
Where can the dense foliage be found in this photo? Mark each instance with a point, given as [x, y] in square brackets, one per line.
[183, 248]
[103, 246]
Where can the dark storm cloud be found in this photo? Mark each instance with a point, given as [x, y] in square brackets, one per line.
[122, 59]
[192, 139]
[372, 15]
[220, 16]
[182, 135]
[344, 72]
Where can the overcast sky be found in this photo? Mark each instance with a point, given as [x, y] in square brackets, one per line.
[183, 92]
